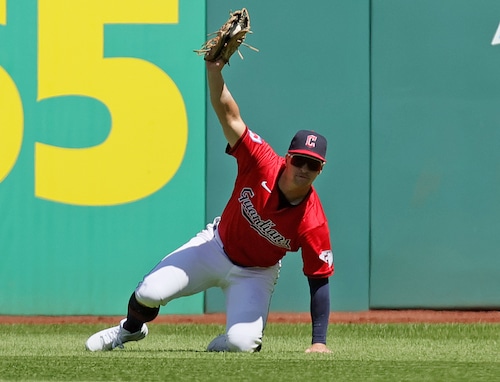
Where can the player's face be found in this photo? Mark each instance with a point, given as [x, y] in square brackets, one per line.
[303, 169]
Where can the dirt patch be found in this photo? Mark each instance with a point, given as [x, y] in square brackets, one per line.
[373, 316]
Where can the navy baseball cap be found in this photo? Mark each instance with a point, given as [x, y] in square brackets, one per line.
[310, 143]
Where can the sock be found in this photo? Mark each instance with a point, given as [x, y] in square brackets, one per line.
[138, 314]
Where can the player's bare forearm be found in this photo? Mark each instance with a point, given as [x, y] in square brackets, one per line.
[224, 105]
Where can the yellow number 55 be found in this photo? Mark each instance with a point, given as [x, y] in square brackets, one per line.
[11, 115]
[148, 134]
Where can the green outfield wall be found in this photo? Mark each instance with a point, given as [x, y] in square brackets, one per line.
[435, 124]
[111, 157]
[102, 142]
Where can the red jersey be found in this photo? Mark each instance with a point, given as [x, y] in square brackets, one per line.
[256, 230]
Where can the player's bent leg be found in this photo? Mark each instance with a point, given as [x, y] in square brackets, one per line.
[162, 285]
[192, 268]
[247, 305]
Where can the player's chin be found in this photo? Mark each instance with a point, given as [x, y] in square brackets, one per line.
[303, 180]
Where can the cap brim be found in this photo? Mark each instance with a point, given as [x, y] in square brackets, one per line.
[308, 154]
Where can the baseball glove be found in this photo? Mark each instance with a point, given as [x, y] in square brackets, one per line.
[228, 38]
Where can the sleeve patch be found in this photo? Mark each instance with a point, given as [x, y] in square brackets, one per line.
[327, 257]
[255, 137]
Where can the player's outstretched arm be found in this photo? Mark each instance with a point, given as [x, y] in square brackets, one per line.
[320, 314]
[224, 104]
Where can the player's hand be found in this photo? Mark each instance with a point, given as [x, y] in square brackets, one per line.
[318, 348]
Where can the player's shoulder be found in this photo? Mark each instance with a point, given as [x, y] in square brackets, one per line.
[315, 214]
[314, 201]
[258, 146]
[250, 140]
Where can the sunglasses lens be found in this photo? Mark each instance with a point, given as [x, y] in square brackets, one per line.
[312, 164]
[298, 161]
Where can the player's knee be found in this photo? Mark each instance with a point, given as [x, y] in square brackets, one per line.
[239, 341]
[161, 286]
[148, 295]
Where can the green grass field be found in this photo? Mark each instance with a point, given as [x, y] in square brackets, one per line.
[361, 352]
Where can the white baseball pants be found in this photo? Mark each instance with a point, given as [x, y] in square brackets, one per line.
[202, 263]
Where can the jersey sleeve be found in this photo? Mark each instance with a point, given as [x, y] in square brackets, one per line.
[317, 254]
[251, 150]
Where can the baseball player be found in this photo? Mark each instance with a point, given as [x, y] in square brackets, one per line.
[273, 209]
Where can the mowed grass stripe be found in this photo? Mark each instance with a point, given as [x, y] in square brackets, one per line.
[361, 352]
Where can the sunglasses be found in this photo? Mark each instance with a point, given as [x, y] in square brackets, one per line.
[300, 160]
